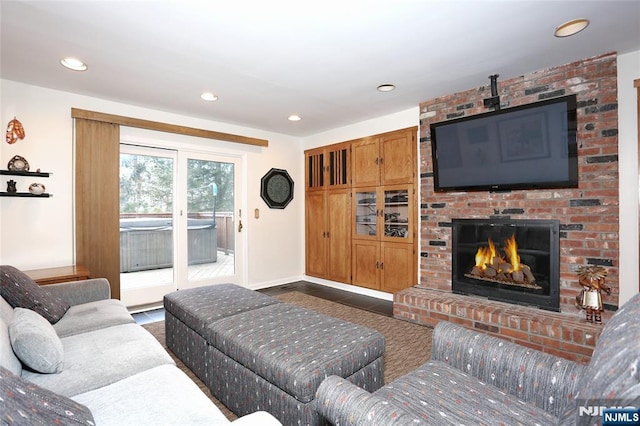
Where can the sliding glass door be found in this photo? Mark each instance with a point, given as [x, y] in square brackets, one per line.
[179, 222]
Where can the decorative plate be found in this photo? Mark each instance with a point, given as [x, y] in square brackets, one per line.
[276, 188]
[18, 164]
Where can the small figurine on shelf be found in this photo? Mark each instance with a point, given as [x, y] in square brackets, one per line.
[592, 280]
[37, 188]
[11, 186]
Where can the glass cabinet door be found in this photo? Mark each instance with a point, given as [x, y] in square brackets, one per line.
[397, 214]
[365, 213]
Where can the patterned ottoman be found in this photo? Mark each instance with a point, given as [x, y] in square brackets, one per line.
[256, 353]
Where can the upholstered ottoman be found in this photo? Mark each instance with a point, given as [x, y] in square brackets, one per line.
[256, 353]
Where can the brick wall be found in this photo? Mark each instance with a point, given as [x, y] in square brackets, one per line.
[588, 214]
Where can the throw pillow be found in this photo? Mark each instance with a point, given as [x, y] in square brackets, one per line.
[24, 403]
[35, 342]
[20, 291]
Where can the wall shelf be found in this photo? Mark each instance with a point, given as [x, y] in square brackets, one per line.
[24, 173]
[21, 173]
[25, 194]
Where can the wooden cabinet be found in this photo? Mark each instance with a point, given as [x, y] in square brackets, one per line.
[360, 211]
[383, 249]
[388, 267]
[384, 213]
[58, 275]
[328, 234]
[328, 167]
[385, 159]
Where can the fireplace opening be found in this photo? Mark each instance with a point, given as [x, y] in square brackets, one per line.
[515, 261]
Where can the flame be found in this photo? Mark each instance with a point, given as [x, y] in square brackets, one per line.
[489, 254]
[486, 255]
[511, 250]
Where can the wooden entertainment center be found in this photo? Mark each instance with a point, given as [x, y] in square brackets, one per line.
[360, 211]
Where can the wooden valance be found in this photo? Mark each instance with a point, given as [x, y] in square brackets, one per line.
[165, 127]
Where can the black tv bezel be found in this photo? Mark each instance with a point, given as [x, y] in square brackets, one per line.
[572, 149]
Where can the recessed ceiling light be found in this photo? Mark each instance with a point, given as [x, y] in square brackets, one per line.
[571, 27]
[294, 117]
[208, 96]
[73, 64]
[386, 87]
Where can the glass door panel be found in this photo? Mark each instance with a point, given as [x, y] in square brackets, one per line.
[397, 214]
[365, 213]
[210, 219]
[147, 231]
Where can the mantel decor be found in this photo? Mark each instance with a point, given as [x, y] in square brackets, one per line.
[276, 188]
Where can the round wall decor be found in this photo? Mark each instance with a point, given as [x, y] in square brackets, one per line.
[276, 188]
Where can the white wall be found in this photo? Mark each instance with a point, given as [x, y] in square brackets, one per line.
[628, 71]
[38, 233]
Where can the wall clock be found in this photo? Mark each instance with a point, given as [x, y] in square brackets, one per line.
[276, 188]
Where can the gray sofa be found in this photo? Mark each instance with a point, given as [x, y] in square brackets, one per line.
[477, 379]
[71, 355]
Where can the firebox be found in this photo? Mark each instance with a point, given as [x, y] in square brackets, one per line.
[515, 261]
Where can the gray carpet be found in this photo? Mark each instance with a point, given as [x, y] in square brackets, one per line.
[407, 345]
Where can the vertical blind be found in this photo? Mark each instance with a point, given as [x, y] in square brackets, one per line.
[97, 200]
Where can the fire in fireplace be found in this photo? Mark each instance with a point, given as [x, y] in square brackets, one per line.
[514, 261]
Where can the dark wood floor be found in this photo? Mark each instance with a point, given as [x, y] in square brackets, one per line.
[367, 303]
[373, 304]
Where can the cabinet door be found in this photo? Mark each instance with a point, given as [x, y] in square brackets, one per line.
[365, 159]
[316, 233]
[397, 213]
[338, 167]
[366, 213]
[366, 264]
[339, 235]
[314, 168]
[397, 267]
[398, 157]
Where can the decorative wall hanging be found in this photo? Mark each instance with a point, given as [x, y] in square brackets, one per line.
[276, 188]
[15, 131]
[18, 164]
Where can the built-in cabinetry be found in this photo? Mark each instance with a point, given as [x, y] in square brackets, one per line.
[361, 209]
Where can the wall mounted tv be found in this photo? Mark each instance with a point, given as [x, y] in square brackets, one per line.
[530, 146]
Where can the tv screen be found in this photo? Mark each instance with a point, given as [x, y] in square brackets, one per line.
[524, 147]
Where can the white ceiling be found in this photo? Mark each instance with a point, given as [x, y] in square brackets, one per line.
[321, 60]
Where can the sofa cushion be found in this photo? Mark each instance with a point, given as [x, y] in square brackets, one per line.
[35, 342]
[93, 316]
[8, 358]
[440, 394]
[296, 348]
[20, 291]
[101, 357]
[201, 306]
[163, 395]
[23, 402]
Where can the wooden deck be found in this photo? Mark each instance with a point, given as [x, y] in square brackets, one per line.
[224, 266]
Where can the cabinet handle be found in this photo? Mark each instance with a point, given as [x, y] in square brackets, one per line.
[377, 265]
[381, 160]
[381, 265]
[327, 234]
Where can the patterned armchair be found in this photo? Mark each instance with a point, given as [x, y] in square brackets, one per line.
[478, 379]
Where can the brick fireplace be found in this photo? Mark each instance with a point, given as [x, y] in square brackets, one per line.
[587, 215]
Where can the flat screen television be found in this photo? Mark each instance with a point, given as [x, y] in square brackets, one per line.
[530, 146]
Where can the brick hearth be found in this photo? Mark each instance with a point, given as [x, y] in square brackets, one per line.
[561, 334]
